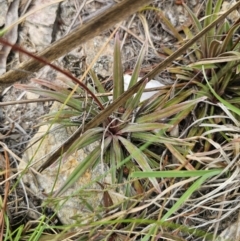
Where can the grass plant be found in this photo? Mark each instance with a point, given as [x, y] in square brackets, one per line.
[171, 182]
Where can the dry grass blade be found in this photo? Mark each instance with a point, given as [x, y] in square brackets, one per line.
[3, 203]
[146, 30]
[185, 163]
[169, 25]
[211, 62]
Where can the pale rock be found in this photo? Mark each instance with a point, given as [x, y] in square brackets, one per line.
[104, 64]
[3, 12]
[234, 15]
[150, 84]
[29, 96]
[52, 178]
[231, 233]
[37, 29]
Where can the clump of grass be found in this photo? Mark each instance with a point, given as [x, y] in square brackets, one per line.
[138, 145]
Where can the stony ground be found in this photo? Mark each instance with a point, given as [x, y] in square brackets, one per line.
[18, 121]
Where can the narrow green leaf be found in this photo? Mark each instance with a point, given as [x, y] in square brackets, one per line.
[233, 55]
[182, 115]
[110, 159]
[65, 113]
[98, 85]
[219, 75]
[228, 40]
[219, 59]
[168, 111]
[197, 23]
[117, 155]
[158, 140]
[137, 68]
[82, 167]
[117, 150]
[140, 158]
[214, 48]
[189, 192]
[225, 83]
[184, 95]
[87, 138]
[134, 101]
[217, 8]
[136, 71]
[2, 32]
[227, 104]
[172, 174]
[118, 82]
[208, 12]
[222, 29]
[144, 127]
[74, 103]
[198, 65]
[238, 69]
